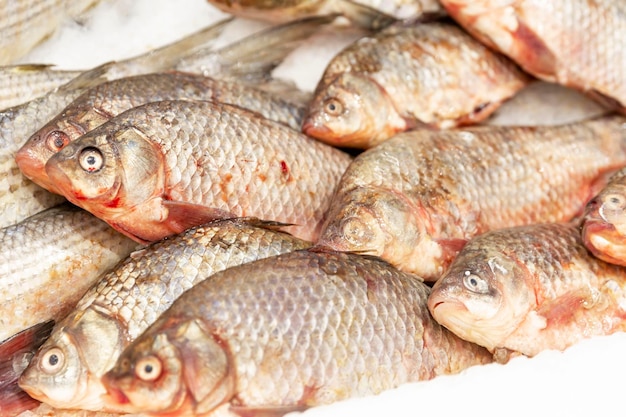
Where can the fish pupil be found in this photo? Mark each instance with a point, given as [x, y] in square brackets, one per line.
[148, 369]
[53, 360]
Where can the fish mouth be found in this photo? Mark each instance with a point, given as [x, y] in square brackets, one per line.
[114, 398]
[316, 130]
[604, 241]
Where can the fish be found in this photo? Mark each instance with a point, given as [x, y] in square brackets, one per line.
[604, 221]
[407, 76]
[22, 83]
[49, 260]
[162, 167]
[101, 103]
[526, 289]
[20, 197]
[15, 353]
[579, 43]
[369, 14]
[285, 333]
[418, 197]
[126, 300]
[25, 24]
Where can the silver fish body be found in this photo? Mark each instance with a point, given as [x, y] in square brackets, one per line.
[129, 298]
[418, 197]
[160, 168]
[288, 332]
[49, 260]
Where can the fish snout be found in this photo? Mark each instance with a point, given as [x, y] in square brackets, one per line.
[314, 128]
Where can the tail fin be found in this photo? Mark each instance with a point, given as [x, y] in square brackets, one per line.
[254, 57]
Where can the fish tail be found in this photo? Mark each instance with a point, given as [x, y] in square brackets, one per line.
[168, 56]
[254, 57]
[364, 16]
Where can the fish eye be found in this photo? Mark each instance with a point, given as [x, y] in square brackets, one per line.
[475, 283]
[614, 202]
[52, 360]
[57, 140]
[91, 159]
[148, 368]
[334, 107]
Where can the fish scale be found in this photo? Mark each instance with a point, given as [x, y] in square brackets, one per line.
[219, 160]
[133, 295]
[543, 290]
[299, 329]
[389, 202]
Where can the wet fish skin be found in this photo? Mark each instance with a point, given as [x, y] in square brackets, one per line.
[26, 23]
[528, 289]
[160, 168]
[22, 83]
[101, 103]
[130, 297]
[546, 40]
[604, 221]
[430, 74]
[288, 332]
[61, 242]
[417, 198]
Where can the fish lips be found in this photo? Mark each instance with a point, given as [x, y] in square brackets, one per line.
[31, 165]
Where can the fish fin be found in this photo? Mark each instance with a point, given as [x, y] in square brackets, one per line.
[167, 56]
[90, 78]
[563, 309]
[450, 248]
[364, 16]
[15, 354]
[267, 411]
[265, 224]
[182, 216]
[212, 385]
[538, 59]
[30, 67]
[253, 58]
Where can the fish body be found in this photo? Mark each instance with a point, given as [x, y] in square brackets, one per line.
[604, 221]
[49, 260]
[577, 43]
[101, 103]
[288, 332]
[126, 300]
[25, 24]
[160, 168]
[530, 288]
[22, 83]
[417, 198]
[431, 74]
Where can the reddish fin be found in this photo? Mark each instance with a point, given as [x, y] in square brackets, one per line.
[562, 310]
[182, 216]
[533, 54]
[450, 249]
[15, 353]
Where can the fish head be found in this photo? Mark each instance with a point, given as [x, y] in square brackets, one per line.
[174, 366]
[108, 171]
[352, 111]
[604, 224]
[373, 221]
[66, 370]
[483, 297]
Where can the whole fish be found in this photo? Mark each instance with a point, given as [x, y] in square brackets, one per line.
[417, 198]
[577, 43]
[160, 168]
[288, 332]
[604, 221]
[430, 74]
[101, 103]
[49, 260]
[15, 353]
[22, 83]
[526, 289]
[25, 24]
[129, 298]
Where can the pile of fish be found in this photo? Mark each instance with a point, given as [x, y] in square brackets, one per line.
[211, 240]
